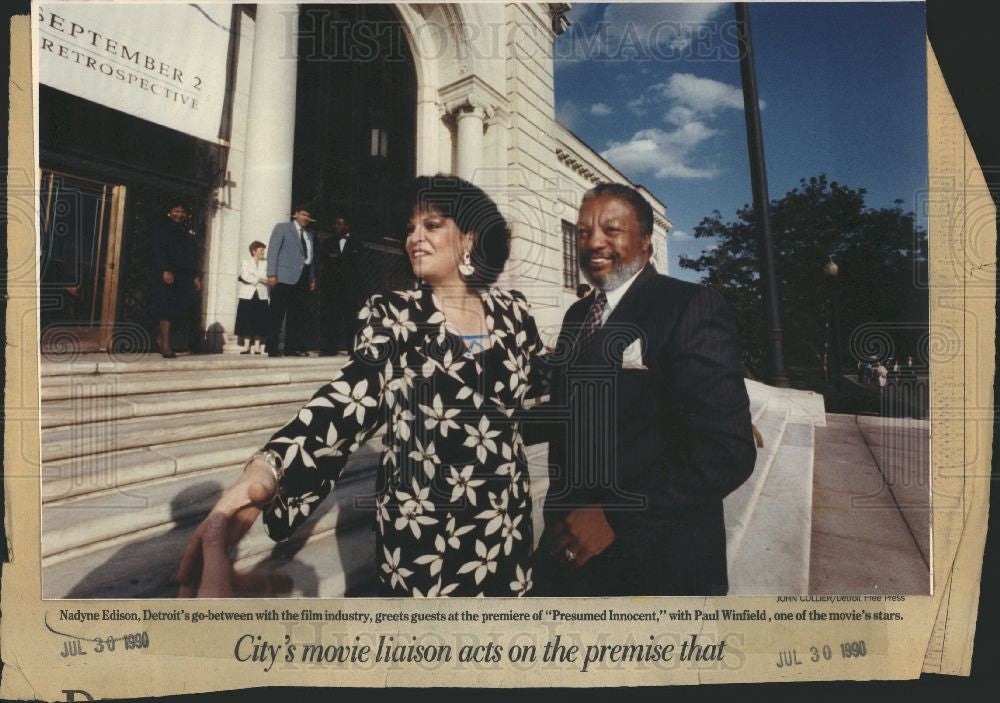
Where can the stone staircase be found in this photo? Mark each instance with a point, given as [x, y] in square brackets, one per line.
[135, 452]
[769, 518]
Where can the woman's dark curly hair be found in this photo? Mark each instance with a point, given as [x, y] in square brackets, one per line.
[473, 211]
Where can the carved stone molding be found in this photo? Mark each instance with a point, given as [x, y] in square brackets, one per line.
[472, 94]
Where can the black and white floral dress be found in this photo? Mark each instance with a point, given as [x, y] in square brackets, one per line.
[453, 506]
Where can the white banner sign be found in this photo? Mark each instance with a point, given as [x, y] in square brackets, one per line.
[165, 63]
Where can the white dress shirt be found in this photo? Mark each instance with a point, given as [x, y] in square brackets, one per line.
[309, 245]
[615, 296]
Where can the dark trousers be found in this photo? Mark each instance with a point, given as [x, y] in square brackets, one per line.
[291, 299]
[339, 323]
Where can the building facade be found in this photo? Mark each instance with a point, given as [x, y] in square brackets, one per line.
[335, 107]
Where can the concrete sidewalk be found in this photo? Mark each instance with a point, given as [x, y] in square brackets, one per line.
[871, 506]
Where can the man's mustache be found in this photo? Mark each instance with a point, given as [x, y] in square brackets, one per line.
[585, 258]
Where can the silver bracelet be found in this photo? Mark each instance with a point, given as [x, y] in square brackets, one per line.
[273, 461]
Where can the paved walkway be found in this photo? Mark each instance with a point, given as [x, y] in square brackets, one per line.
[871, 506]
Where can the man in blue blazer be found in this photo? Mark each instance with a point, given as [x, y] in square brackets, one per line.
[291, 274]
[651, 421]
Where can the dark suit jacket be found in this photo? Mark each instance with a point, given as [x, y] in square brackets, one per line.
[341, 269]
[657, 447]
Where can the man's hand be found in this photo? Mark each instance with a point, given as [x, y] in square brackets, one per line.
[217, 573]
[219, 579]
[272, 281]
[312, 286]
[197, 283]
[168, 277]
[239, 507]
[584, 534]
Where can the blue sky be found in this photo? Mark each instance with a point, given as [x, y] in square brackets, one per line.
[655, 88]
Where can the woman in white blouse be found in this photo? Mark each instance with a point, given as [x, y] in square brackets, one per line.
[251, 314]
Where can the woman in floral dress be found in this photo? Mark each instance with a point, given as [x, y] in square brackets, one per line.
[445, 368]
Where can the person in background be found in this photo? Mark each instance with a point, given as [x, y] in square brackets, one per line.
[291, 274]
[340, 289]
[583, 290]
[252, 313]
[177, 276]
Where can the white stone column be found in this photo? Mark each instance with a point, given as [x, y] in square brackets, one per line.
[263, 186]
[469, 158]
[267, 176]
[428, 143]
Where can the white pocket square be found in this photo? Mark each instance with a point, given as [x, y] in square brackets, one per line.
[632, 356]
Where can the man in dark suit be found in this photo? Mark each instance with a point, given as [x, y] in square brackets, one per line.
[653, 425]
[341, 297]
[291, 275]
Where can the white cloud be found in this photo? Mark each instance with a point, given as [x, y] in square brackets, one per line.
[703, 95]
[679, 235]
[624, 31]
[600, 110]
[690, 103]
[637, 106]
[680, 115]
[664, 154]
[658, 25]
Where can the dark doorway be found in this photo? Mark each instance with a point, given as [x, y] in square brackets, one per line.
[355, 149]
[355, 118]
[80, 240]
[108, 177]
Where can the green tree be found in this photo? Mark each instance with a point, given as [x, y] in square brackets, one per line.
[881, 256]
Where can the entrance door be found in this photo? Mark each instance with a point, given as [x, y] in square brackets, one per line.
[81, 235]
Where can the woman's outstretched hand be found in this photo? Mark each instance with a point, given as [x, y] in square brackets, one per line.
[205, 569]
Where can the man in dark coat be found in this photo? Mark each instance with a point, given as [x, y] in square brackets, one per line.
[341, 297]
[652, 417]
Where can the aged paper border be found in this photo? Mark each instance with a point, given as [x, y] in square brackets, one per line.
[936, 633]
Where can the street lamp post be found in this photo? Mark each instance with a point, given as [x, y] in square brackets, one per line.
[831, 270]
[761, 203]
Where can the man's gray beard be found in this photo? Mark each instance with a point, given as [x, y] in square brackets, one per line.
[619, 274]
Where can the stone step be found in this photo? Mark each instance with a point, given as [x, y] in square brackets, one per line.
[105, 439]
[331, 564]
[773, 556]
[91, 474]
[78, 522]
[97, 364]
[143, 562]
[146, 566]
[758, 395]
[85, 388]
[104, 516]
[79, 411]
[739, 505]
[134, 552]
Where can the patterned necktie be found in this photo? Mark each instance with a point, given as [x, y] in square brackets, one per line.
[593, 321]
[302, 238]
